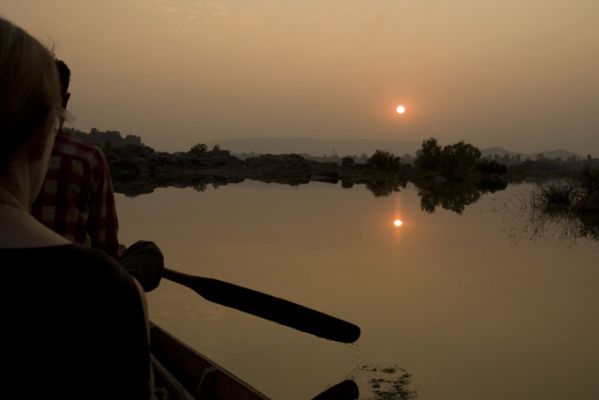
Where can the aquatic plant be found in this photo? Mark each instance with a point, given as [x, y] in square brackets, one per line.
[388, 383]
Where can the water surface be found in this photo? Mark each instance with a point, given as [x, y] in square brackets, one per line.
[467, 304]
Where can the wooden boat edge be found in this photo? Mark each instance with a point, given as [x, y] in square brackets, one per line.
[200, 376]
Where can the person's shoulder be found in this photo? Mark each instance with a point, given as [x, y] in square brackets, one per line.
[92, 267]
[79, 251]
[94, 257]
[87, 261]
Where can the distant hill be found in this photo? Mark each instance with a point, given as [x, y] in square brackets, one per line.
[315, 146]
[497, 151]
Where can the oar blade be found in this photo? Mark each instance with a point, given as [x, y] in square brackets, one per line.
[346, 390]
[269, 307]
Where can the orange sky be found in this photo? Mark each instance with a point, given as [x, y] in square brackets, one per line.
[523, 74]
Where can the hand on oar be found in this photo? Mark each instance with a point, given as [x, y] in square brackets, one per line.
[269, 307]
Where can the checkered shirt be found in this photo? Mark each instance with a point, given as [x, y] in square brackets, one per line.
[76, 199]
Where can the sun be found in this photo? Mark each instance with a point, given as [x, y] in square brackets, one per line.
[400, 109]
[398, 223]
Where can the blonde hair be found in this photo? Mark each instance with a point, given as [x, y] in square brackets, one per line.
[29, 87]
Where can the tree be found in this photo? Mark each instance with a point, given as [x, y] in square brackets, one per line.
[198, 149]
[429, 156]
[383, 160]
[459, 158]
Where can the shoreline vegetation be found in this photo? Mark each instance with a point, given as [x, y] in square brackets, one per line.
[451, 176]
[570, 203]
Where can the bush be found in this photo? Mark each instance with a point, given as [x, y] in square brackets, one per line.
[383, 160]
[554, 196]
[557, 194]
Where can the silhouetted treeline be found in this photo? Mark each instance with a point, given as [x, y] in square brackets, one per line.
[139, 169]
[456, 161]
[105, 140]
[451, 176]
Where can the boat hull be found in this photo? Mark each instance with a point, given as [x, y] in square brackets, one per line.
[201, 377]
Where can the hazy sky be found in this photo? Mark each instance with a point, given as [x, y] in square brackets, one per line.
[523, 74]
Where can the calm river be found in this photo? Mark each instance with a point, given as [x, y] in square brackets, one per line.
[471, 306]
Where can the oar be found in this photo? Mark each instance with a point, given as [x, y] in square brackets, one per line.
[269, 307]
[346, 390]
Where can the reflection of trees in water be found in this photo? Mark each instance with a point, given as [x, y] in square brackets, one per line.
[381, 188]
[200, 186]
[390, 383]
[453, 196]
[136, 188]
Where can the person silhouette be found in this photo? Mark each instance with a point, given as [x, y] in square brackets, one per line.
[77, 200]
[74, 320]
